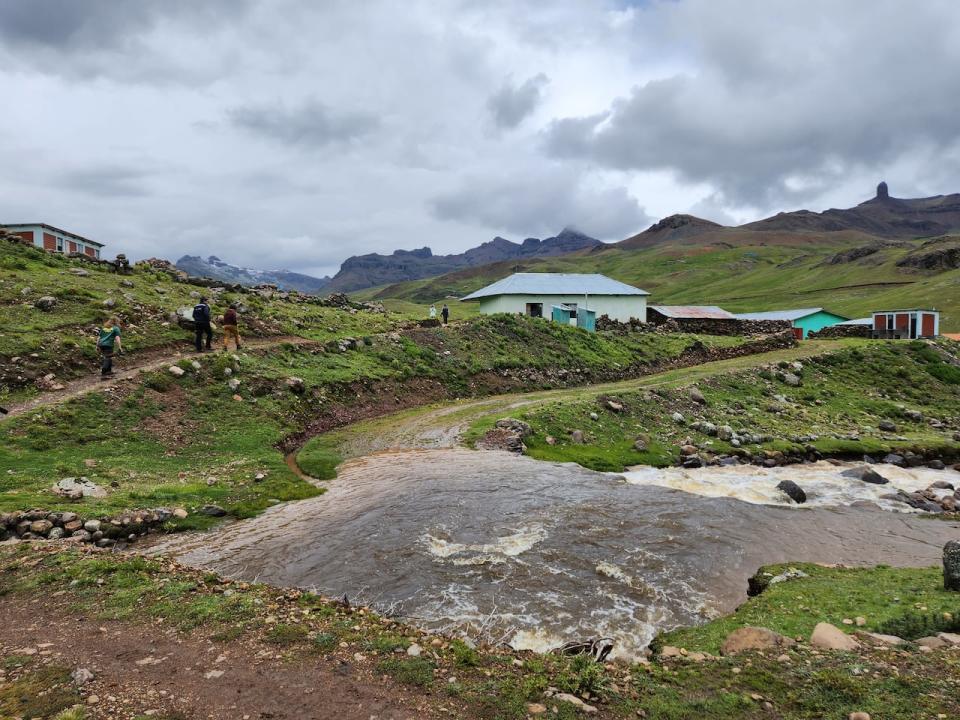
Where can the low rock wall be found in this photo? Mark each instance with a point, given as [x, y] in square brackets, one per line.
[698, 326]
[103, 531]
[842, 331]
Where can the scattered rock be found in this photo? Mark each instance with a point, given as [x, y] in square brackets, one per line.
[594, 416]
[754, 638]
[516, 426]
[887, 426]
[891, 640]
[45, 303]
[678, 418]
[932, 642]
[575, 701]
[176, 371]
[213, 511]
[81, 676]
[793, 491]
[697, 396]
[536, 708]
[858, 716]
[414, 650]
[936, 465]
[830, 637]
[791, 379]
[76, 488]
[576, 437]
[642, 443]
[296, 385]
[233, 383]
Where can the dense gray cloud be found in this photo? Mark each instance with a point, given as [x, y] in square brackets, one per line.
[311, 124]
[782, 100]
[512, 104]
[293, 133]
[542, 203]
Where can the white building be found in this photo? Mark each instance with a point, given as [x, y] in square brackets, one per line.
[54, 239]
[535, 294]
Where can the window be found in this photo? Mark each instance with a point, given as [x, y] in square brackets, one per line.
[59, 244]
[572, 307]
[535, 310]
[889, 322]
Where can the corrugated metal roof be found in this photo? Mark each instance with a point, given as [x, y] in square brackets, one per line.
[878, 312]
[555, 284]
[790, 315]
[858, 321]
[690, 312]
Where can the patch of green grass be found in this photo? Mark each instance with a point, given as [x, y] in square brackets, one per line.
[286, 634]
[884, 596]
[319, 458]
[409, 671]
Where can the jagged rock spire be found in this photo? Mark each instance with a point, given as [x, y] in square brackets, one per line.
[882, 191]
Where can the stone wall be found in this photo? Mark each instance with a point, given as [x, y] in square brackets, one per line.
[700, 326]
[842, 331]
[104, 531]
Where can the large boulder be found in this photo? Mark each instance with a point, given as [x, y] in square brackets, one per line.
[793, 491]
[829, 637]
[754, 638]
[866, 474]
[518, 427]
[77, 488]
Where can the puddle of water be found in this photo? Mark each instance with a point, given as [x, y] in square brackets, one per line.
[541, 553]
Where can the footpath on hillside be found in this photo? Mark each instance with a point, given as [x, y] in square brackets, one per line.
[129, 367]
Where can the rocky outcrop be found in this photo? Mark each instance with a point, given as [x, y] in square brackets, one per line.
[216, 269]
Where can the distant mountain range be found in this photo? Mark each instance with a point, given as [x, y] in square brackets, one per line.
[214, 267]
[884, 218]
[364, 271]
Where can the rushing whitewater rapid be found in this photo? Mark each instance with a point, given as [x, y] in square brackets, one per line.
[536, 553]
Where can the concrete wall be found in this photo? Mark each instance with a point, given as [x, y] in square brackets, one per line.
[617, 307]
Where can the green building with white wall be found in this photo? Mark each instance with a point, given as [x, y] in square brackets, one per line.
[803, 321]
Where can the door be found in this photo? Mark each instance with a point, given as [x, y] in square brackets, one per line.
[927, 325]
[798, 333]
[913, 326]
[49, 242]
[535, 310]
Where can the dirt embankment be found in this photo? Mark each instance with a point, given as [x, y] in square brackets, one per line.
[364, 400]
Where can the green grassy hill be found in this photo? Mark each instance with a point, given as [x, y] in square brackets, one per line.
[743, 270]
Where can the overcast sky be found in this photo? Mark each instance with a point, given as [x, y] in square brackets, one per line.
[292, 133]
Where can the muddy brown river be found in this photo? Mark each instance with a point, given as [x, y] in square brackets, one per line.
[536, 553]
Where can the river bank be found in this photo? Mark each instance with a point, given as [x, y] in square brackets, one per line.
[95, 634]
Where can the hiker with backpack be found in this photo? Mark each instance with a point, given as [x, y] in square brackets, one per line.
[108, 342]
[201, 324]
[230, 331]
[445, 314]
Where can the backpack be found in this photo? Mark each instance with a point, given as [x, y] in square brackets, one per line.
[201, 313]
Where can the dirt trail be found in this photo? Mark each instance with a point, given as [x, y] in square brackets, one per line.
[150, 669]
[442, 426]
[144, 362]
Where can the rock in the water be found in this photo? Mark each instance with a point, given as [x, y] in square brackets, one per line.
[830, 637]
[793, 491]
[866, 474]
[754, 638]
[951, 565]
[936, 465]
[894, 459]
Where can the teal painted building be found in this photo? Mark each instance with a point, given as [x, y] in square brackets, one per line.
[803, 321]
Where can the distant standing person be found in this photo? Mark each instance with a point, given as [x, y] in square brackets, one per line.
[445, 313]
[433, 312]
[108, 342]
[230, 331]
[201, 323]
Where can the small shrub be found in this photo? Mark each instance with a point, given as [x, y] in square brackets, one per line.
[157, 380]
[583, 674]
[911, 626]
[325, 642]
[464, 655]
[284, 634]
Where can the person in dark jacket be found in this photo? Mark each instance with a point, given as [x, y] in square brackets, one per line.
[201, 323]
[445, 313]
[230, 331]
